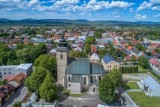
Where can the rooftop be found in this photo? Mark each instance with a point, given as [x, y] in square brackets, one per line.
[108, 59]
[151, 83]
[79, 66]
[82, 66]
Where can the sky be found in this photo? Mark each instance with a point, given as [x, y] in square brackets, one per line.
[121, 10]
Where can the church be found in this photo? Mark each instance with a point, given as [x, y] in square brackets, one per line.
[77, 74]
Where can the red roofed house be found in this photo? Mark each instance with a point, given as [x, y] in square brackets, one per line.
[129, 48]
[155, 65]
[129, 58]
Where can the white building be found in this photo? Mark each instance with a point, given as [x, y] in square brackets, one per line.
[150, 86]
[16, 69]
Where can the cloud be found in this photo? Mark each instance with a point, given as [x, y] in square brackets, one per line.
[94, 5]
[117, 16]
[65, 2]
[152, 4]
[157, 15]
[131, 9]
[141, 17]
[63, 5]
[11, 4]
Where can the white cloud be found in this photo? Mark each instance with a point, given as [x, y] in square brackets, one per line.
[63, 5]
[66, 2]
[117, 16]
[152, 4]
[131, 9]
[141, 17]
[157, 15]
[33, 2]
[94, 5]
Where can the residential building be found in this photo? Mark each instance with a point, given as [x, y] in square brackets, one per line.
[109, 63]
[93, 57]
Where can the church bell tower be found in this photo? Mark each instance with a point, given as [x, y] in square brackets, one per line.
[62, 60]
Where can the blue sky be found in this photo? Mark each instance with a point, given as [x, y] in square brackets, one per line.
[123, 10]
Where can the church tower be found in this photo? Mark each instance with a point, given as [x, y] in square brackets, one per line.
[62, 60]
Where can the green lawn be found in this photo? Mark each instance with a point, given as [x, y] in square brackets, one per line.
[142, 70]
[78, 95]
[131, 85]
[143, 101]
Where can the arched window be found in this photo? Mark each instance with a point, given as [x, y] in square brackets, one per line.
[69, 79]
[61, 56]
[94, 89]
[85, 80]
[99, 78]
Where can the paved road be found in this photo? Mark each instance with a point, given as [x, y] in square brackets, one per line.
[18, 96]
[80, 102]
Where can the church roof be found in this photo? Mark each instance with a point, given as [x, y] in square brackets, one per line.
[79, 66]
[82, 66]
[97, 68]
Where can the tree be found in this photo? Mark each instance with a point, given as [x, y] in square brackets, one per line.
[3, 82]
[106, 89]
[116, 77]
[133, 59]
[34, 81]
[17, 104]
[87, 49]
[48, 88]
[90, 40]
[157, 50]
[77, 54]
[48, 62]
[143, 62]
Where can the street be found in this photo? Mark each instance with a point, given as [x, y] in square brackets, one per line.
[80, 103]
[18, 96]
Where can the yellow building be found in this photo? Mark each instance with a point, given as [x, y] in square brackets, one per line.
[109, 63]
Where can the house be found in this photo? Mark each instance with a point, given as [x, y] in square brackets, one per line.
[52, 52]
[6, 91]
[93, 57]
[150, 86]
[77, 74]
[36, 41]
[129, 57]
[155, 65]
[109, 63]
[129, 48]
[16, 69]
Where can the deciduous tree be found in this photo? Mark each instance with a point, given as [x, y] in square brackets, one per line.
[48, 88]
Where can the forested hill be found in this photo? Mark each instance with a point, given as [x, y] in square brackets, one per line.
[79, 21]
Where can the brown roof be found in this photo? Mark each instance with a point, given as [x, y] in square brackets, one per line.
[2, 95]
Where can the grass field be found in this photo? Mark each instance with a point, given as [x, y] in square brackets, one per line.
[131, 85]
[143, 101]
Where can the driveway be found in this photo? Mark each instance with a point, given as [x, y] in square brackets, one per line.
[18, 96]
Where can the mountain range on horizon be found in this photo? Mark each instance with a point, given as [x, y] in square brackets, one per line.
[77, 21]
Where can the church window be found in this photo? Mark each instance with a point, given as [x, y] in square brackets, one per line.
[91, 79]
[85, 80]
[61, 56]
[69, 79]
[94, 89]
[99, 78]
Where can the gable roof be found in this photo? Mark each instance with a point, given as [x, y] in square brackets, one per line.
[79, 66]
[107, 59]
[82, 66]
[151, 83]
[97, 68]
